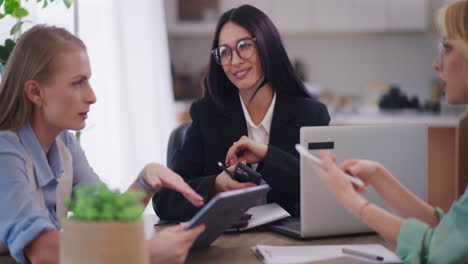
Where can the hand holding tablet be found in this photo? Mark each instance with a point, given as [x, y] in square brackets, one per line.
[305, 153]
[223, 210]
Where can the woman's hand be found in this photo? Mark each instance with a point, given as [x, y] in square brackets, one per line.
[158, 176]
[44, 248]
[334, 179]
[363, 169]
[171, 245]
[224, 182]
[248, 150]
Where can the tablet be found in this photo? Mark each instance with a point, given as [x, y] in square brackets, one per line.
[223, 210]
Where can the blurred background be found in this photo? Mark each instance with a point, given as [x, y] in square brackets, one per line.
[370, 61]
[349, 53]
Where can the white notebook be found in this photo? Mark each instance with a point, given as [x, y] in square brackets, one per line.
[332, 254]
[263, 214]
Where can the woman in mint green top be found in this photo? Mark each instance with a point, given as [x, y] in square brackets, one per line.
[446, 243]
[422, 233]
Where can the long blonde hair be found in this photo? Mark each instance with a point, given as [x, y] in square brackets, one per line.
[33, 58]
[452, 21]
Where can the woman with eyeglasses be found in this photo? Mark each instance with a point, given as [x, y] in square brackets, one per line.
[253, 108]
[422, 233]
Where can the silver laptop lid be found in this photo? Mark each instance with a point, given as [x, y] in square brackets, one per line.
[400, 148]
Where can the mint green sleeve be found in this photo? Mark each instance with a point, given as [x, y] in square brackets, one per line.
[446, 243]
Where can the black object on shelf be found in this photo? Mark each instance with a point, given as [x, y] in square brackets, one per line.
[396, 99]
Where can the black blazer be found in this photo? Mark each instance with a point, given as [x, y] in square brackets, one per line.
[212, 133]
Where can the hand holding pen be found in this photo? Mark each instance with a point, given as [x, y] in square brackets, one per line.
[225, 181]
[226, 170]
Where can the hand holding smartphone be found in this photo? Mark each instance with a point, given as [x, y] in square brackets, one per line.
[305, 153]
[243, 173]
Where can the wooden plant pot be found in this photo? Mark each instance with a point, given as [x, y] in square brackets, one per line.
[103, 242]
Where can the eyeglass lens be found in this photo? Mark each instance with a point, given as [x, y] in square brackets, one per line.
[244, 49]
[440, 53]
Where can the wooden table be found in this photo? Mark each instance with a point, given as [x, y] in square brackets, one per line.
[235, 248]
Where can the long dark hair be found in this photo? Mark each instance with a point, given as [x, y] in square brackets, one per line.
[274, 61]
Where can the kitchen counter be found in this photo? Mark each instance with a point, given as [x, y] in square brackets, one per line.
[447, 146]
[373, 117]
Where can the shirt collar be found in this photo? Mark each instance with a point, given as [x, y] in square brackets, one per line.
[266, 122]
[45, 172]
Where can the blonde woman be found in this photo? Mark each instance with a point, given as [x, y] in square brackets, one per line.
[45, 91]
[422, 233]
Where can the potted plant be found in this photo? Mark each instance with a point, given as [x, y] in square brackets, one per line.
[104, 227]
[13, 9]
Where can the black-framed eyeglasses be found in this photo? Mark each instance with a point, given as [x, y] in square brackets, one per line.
[245, 49]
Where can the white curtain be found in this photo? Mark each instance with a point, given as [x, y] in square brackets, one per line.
[129, 125]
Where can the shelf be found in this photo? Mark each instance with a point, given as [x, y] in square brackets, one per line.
[312, 17]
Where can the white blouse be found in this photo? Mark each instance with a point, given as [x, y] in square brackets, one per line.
[259, 133]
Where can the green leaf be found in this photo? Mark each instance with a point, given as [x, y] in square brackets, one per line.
[98, 203]
[10, 43]
[16, 28]
[20, 12]
[2, 15]
[11, 6]
[6, 50]
[68, 3]
[1, 2]
[3, 55]
[45, 4]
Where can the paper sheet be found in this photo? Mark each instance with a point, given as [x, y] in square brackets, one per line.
[264, 214]
[321, 254]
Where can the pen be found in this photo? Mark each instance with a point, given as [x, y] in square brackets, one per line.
[225, 170]
[362, 254]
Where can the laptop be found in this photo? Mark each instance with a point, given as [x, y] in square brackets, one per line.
[400, 148]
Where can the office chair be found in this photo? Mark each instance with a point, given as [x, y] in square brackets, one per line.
[176, 141]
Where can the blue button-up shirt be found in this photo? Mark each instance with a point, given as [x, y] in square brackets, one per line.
[22, 218]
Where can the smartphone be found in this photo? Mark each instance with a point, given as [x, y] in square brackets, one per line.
[305, 153]
[244, 173]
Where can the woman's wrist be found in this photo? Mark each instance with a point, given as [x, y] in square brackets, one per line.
[264, 152]
[145, 186]
[142, 180]
[362, 208]
[354, 203]
[377, 176]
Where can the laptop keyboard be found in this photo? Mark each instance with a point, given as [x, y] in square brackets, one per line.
[291, 223]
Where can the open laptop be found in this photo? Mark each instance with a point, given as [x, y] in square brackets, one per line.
[400, 148]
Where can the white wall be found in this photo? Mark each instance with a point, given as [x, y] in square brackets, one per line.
[6, 24]
[130, 123]
[345, 63]
[341, 63]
